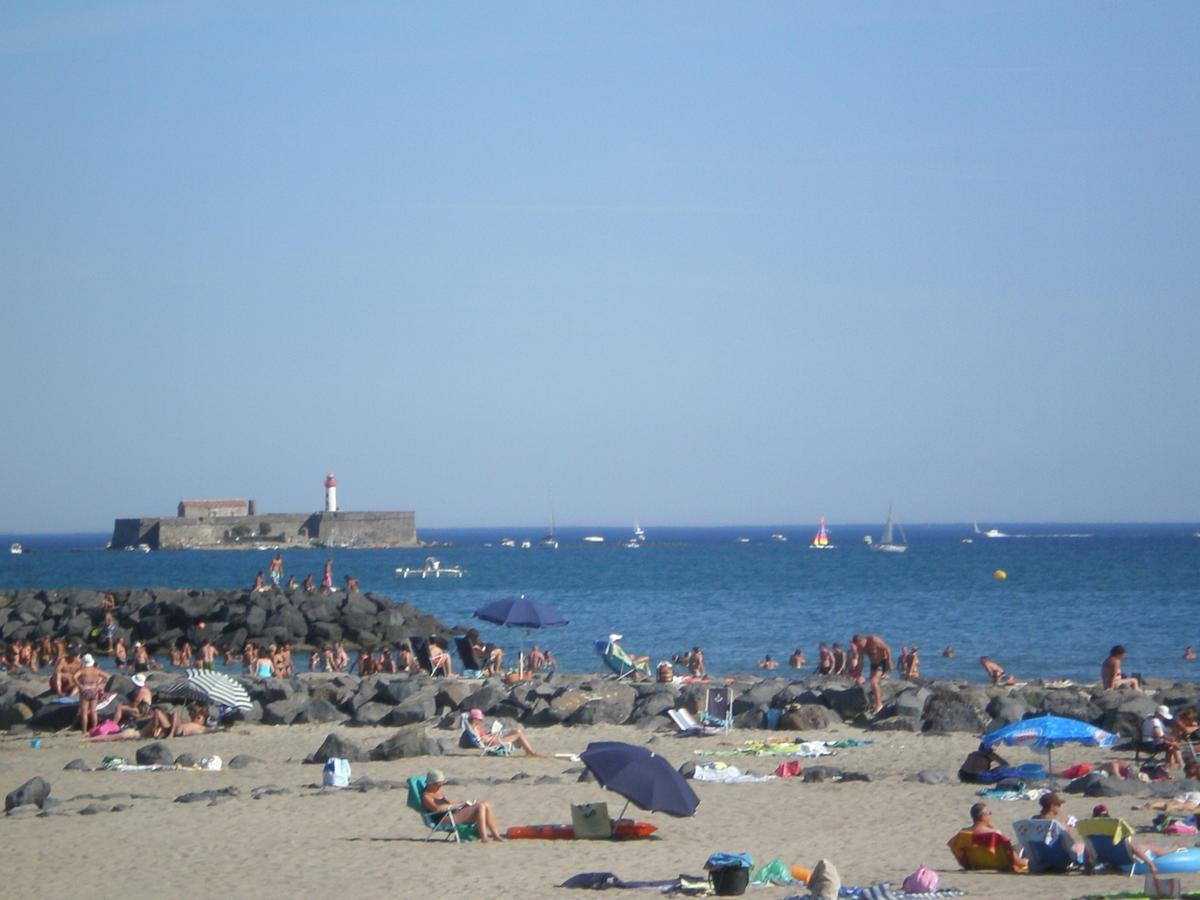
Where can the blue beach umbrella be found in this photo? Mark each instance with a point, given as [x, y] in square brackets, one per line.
[520, 612]
[641, 777]
[1048, 732]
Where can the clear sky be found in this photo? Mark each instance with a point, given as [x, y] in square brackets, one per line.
[691, 263]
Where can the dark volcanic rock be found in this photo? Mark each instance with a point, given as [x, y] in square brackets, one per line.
[337, 747]
[34, 791]
[408, 741]
[157, 754]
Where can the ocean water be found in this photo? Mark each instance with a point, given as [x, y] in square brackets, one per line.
[1065, 602]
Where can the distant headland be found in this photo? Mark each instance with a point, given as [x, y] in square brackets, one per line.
[236, 524]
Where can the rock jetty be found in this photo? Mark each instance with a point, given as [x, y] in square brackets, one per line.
[163, 616]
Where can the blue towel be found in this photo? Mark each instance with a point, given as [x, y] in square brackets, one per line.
[729, 861]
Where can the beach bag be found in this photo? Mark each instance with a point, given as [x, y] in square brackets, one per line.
[590, 820]
[1160, 887]
[791, 768]
[337, 772]
[922, 881]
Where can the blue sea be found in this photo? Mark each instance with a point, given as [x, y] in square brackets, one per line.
[1072, 590]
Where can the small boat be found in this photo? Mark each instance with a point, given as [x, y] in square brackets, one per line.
[525, 545]
[887, 542]
[507, 542]
[593, 539]
[632, 544]
[638, 534]
[743, 540]
[144, 548]
[550, 541]
[782, 538]
[820, 540]
[16, 549]
[433, 568]
[991, 532]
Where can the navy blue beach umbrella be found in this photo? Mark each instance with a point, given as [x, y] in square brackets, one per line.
[520, 612]
[642, 777]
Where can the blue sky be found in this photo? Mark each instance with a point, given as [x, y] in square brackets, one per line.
[691, 263]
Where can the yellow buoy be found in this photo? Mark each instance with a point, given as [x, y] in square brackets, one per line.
[1000, 575]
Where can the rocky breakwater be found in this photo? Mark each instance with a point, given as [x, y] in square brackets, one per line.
[161, 617]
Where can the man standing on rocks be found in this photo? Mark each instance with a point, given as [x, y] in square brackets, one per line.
[874, 648]
[276, 571]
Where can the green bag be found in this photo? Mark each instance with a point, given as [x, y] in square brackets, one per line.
[774, 872]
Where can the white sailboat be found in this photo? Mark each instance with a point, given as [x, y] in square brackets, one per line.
[638, 534]
[821, 540]
[550, 540]
[887, 542]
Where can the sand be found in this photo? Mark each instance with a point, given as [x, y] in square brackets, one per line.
[314, 843]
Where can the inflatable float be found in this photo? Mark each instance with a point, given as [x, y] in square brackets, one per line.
[622, 830]
[1179, 861]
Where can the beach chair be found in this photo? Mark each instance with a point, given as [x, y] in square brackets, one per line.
[468, 738]
[718, 708]
[619, 662]
[420, 648]
[446, 825]
[987, 851]
[1108, 842]
[687, 724]
[471, 666]
[1047, 845]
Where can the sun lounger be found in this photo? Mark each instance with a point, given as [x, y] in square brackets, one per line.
[468, 738]
[619, 662]
[987, 851]
[446, 825]
[1047, 845]
[420, 648]
[718, 708]
[687, 724]
[471, 666]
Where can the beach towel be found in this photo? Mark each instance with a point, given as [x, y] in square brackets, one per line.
[721, 773]
[804, 749]
[774, 872]
[885, 891]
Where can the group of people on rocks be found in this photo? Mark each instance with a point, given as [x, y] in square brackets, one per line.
[274, 574]
[862, 649]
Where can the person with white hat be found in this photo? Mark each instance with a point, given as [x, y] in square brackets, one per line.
[436, 804]
[90, 681]
[1155, 737]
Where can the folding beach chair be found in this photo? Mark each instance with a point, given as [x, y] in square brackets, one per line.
[687, 724]
[468, 738]
[420, 648]
[619, 662]
[718, 708]
[446, 825]
[1108, 842]
[471, 666]
[1046, 844]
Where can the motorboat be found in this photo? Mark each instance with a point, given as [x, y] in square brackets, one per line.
[593, 539]
[821, 540]
[433, 568]
[743, 540]
[526, 545]
[991, 532]
[638, 534]
[16, 549]
[507, 542]
[143, 548]
[887, 542]
[632, 544]
[782, 538]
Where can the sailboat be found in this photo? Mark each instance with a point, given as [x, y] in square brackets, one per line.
[550, 540]
[638, 534]
[887, 542]
[820, 540]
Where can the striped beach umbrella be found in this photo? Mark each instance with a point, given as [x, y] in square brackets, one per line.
[209, 687]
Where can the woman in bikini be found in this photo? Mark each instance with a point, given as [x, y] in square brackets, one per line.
[439, 807]
[90, 682]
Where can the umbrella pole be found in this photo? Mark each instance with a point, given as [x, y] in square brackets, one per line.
[623, 808]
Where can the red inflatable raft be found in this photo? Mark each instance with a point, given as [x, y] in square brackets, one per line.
[625, 829]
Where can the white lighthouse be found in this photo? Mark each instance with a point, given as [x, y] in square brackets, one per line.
[330, 493]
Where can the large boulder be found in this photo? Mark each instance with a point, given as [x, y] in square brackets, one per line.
[947, 714]
[911, 702]
[285, 712]
[849, 703]
[337, 747]
[407, 742]
[1005, 710]
[610, 703]
[1125, 715]
[807, 717]
[157, 754]
[318, 710]
[34, 791]
[417, 708]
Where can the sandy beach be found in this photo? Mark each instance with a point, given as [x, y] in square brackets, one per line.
[310, 842]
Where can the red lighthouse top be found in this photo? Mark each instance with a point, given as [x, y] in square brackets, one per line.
[329, 480]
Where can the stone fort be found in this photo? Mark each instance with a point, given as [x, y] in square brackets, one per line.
[232, 524]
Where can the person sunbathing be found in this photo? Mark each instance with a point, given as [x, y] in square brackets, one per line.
[983, 846]
[436, 804]
[1141, 851]
[194, 724]
[995, 671]
[439, 658]
[490, 739]
[1110, 672]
